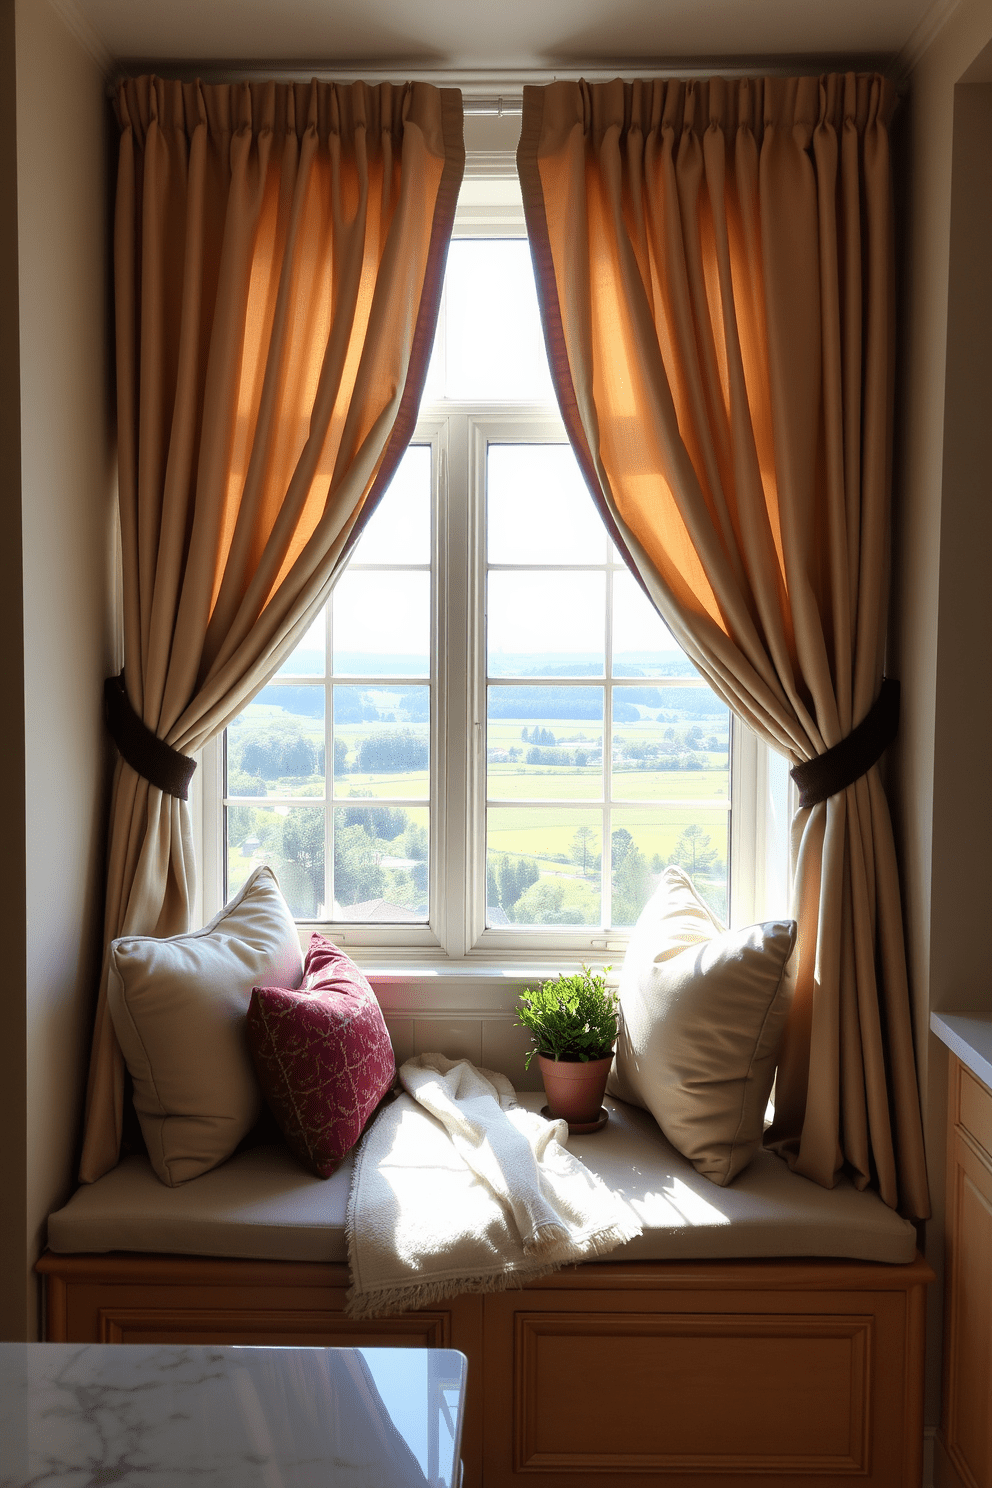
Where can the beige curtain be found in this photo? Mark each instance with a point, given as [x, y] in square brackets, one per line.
[279, 252]
[715, 267]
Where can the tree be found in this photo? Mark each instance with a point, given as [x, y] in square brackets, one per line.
[415, 842]
[623, 845]
[630, 878]
[386, 754]
[240, 783]
[303, 844]
[385, 822]
[357, 875]
[584, 836]
[509, 888]
[544, 904]
[241, 824]
[694, 852]
[298, 756]
[513, 878]
[492, 887]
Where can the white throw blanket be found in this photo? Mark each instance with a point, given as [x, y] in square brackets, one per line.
[456, 1188]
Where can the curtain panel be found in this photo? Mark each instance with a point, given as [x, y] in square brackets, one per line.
[279, 255]
[715, 269]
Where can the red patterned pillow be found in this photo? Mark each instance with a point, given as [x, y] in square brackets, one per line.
[322, 1055]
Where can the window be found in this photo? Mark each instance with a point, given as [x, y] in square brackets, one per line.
[489, 742]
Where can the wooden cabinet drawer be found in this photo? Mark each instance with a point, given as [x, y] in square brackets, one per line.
[974, 1109]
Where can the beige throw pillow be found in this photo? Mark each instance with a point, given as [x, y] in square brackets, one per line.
[179, 1007]
[703, 1012]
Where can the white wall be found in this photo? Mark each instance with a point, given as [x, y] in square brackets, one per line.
[64, 554]
[941, 638]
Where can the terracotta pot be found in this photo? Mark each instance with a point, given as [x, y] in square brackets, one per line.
[575, 1090]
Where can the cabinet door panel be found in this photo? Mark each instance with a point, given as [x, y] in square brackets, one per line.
[968, 1321]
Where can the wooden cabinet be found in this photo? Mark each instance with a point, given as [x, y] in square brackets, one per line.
[965, 1458]
[705, 1374]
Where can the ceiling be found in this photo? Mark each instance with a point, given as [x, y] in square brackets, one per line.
[469, 37]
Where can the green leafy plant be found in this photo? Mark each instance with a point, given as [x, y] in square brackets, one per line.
[570, 1017]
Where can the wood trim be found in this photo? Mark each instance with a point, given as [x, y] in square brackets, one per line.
[164, 1270]
[915, 1377]
[796, 1274]
[972, 1109]
[265, 1325]
[56, 1317]
[945, 1473]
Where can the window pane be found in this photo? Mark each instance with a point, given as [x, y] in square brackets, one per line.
[538, 509]
[381, 864]
[382, 625]
[382, 741]
[291, 840]
[670, 743]
[494, 344]
[543, 867]
[399, 530]
[645, 841]
[546, 624]
[307, 659]
[643, 645]
[545, 742]
[276, 746]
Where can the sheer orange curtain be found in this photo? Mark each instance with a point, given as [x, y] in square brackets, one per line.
[715, 269]
[279, 252]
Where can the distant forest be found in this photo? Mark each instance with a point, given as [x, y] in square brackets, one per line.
[355, 705]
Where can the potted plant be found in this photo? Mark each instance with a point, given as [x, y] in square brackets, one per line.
[573, 1022]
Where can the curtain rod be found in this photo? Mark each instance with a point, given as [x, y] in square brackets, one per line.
[494, 92]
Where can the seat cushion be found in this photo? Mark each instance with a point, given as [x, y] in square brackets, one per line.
[261, 1205]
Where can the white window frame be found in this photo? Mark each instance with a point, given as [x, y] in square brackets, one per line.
[456, 931]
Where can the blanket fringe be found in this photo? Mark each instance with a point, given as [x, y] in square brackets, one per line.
[388, 1301]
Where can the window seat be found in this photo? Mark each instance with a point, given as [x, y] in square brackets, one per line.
[771, 1331]
[261, 1205]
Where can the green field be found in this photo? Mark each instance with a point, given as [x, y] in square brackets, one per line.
[539, 834]
[529, 783]
[535, 854]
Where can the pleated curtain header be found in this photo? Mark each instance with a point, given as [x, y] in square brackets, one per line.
[328, 109]
[668, 105]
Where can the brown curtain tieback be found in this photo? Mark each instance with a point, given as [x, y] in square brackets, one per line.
[153, 759]
[846, 762]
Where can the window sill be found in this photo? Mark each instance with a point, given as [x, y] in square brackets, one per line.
[470, 988]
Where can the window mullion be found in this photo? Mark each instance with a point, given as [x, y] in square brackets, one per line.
[453, 703]
[476, 434]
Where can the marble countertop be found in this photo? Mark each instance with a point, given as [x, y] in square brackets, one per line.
[86, 1415]
[969, 1036]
